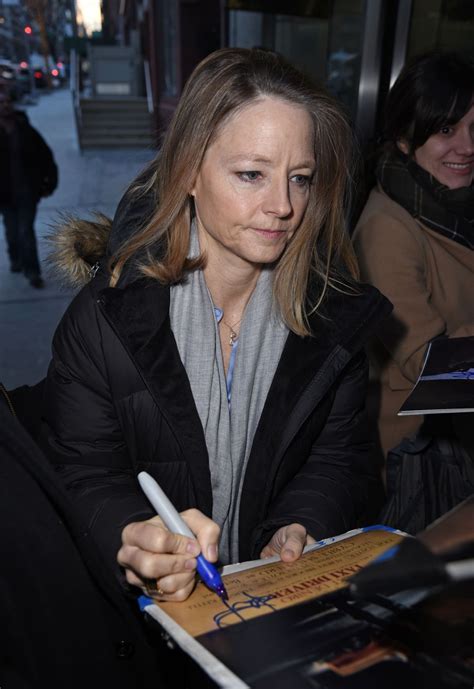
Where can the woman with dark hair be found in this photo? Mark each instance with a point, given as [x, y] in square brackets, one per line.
[415, 237]
[221, 345]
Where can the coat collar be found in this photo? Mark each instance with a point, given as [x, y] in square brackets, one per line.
[139, 315]
[306, 372]
[340, 329]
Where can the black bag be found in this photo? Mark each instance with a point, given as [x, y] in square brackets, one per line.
[427, 475]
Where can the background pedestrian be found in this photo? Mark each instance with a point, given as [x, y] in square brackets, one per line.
[27, 173]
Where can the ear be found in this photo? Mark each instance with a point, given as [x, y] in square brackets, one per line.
[194, 183]
[402, 144]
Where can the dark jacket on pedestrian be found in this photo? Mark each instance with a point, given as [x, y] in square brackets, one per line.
[118, 401]
[26, 163]
[64, 619]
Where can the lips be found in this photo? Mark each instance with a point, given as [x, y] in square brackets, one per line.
[268, 229]
[269, 234]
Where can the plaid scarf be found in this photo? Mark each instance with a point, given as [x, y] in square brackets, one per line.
[447, 211]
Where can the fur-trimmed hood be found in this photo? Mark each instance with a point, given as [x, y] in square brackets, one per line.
[77, 245]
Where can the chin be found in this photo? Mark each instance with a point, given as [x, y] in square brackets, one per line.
[264, 254]
[263, 259]
[458, 184]
[455, 181]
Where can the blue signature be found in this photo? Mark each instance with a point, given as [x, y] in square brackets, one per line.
[222, 618]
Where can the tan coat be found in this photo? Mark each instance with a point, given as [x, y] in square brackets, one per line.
[430, 281]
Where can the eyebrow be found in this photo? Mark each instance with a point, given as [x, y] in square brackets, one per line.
[266, 161]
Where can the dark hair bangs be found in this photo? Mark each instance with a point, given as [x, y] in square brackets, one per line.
[444, 105]
[432, 91]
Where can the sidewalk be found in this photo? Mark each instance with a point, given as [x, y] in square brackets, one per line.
[92, 181]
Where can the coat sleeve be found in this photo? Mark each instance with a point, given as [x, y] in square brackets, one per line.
[81, 433]
[393, 259]
[339, 486]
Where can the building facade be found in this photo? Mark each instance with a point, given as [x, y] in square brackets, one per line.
[356, 48]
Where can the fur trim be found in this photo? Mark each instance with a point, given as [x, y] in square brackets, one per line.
[77, 245]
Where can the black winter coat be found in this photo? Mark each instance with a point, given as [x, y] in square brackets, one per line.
[118, 401]
[36, 162]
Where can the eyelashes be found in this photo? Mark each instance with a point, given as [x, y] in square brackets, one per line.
[254, 176]
[249, 175]
[302, 180]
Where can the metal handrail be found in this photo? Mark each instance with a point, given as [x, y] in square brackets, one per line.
[148, 89]
[74, 79]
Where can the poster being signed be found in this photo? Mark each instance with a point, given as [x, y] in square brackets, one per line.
[271, 587]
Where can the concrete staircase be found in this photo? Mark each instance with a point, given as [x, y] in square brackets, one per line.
[115, 123]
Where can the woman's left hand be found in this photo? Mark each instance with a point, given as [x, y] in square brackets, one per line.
[288, 542]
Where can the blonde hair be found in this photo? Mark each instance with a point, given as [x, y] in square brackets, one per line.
[224, 82]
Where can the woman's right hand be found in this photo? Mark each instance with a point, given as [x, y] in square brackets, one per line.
[152, 554]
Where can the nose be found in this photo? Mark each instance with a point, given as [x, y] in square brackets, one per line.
[465, 141]
[277, 198]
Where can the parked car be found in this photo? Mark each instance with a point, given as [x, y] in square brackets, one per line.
[8, 78]
[24, 78]
[40, 78]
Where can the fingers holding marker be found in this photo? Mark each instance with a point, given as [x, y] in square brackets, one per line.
[172, 588]
[207, 532]
[151, 552]
[176, 588]
[153, 536]
[197, 525]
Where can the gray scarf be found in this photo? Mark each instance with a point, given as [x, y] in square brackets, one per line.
[229, 434]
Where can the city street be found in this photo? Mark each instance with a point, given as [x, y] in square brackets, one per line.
[93, 181]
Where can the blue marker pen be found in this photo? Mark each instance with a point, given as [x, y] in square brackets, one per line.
[173, 521]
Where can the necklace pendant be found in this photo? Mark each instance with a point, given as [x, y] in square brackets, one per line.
[232, 338]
